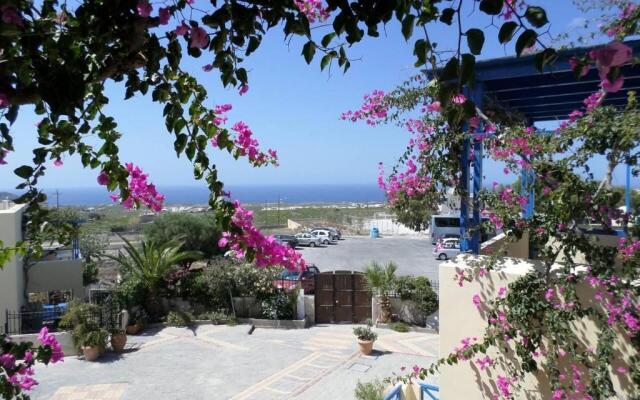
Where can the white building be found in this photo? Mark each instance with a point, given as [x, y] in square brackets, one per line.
[57, 272]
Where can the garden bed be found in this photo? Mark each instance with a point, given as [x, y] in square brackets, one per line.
[276, 323]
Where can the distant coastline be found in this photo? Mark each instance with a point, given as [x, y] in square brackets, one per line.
[249, 194]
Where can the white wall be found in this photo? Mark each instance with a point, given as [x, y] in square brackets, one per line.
[459, 318]
[11, 275]
[45, 276]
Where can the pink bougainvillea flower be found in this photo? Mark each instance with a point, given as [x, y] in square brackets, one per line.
[207, 68]
[199, 38]
[103, 179]
[58, 162]
[502, 292]
[3, 156]
[11, 16]
[314, 10]
[140, 191]
[434, 107]
[144, 8]
[182, 29]
[477, 301]
[612, 87]
[163, 15]
[4, 101]
[244, 88]
[485, 362]
[50, 340]
[459, 99]
[575, 64]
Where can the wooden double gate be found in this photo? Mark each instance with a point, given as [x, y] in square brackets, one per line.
[341, 297]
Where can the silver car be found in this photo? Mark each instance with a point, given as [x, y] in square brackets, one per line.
[446, 249]
[325, 235]
[307, 239]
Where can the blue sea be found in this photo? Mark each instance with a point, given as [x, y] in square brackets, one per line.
[250, 194]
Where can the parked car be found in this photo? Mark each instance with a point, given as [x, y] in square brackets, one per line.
[324, 235]
[307, 239]
[287, 239]
[290, 279]
[335, 232]
[446, 249]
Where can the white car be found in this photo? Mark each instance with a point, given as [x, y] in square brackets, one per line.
[446, 249]
[307, 239]
[325, 235]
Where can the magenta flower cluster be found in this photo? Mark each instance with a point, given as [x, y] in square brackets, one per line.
[268, 251]
[140, 191]
[373, 111]
[20, 373]
[246, 144]
[314, 10]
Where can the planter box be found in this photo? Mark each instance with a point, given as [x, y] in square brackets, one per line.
[246, 307]
[406, 311]
[276, 323]
[64, 338]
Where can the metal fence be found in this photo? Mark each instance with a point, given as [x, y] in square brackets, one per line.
[32, 320]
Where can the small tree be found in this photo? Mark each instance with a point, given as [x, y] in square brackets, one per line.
[92, 248]
[150, 265]
[198, 232]
[381, 281]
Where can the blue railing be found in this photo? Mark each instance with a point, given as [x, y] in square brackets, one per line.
[425, 389]
[395, 393]
[428, 389]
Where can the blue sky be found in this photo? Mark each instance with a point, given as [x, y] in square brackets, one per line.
[291, 107]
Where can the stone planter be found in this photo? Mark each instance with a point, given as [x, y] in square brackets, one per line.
[366, 346]
[91, 353]
[118, 341]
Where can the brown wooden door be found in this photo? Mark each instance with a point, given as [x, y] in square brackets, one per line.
[341, 297]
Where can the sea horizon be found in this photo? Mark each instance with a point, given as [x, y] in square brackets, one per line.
[249, 194]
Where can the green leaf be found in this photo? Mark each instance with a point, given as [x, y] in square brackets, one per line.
[254, 42]
[536, 16]
[24, 171]
[326, 40]
[491, 7]
[545, 57]
[475, 40]
[450, 71]
[325, 61]
[180, 143]
[420, 51]
[467, 69]
[407, 26]
[447, 15]
[506, 31]
[525, 40]
[308, 51]
[241, 74]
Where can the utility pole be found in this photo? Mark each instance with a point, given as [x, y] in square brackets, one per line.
[57, 198]
[278, 212]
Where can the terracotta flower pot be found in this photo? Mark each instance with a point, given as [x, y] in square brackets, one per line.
[133, 329]
[118, 341]
[366, 346]
[91, 353]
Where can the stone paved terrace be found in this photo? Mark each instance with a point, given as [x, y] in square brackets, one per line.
[223, 362]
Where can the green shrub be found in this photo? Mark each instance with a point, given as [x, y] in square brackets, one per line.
[418, 289]
[96, 338]
[400, 326]
[178, 319]
[365, 333]
[218, 317]
[373, 390]
[80, 320]
[278, 306]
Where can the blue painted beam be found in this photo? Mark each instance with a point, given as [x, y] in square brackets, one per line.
[464, 195]
[627, 190]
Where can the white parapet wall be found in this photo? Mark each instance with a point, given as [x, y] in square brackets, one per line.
[459, 318]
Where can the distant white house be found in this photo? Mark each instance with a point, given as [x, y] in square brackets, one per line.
[59, 271]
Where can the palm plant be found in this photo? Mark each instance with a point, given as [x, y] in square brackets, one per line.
[381, 280]
[149, 265]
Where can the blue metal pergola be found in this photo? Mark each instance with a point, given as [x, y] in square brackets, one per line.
[515, 84]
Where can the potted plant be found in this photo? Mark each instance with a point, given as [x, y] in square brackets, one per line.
[138, 321]
[94, 343]
[381, 280]
[118, 339]
[366, 337]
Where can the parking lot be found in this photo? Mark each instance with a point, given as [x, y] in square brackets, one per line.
[412, 254]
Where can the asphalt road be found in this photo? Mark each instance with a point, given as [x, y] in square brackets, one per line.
[412, 255]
